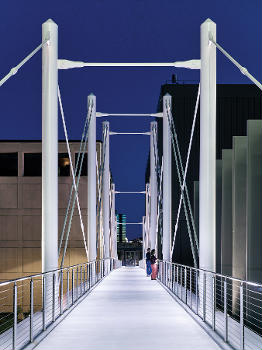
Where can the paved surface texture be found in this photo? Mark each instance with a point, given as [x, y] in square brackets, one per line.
[128, 311]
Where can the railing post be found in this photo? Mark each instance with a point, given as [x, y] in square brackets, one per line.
[196, 292]
[176, 289]
[15, 315]
[61, 291]
[204, 297]
[89, 275]
[84, 279]
[181, 282]
[81, 280]
[44, 302]
[173, 277]
[31, 310]
[53, 298]
[77, 286]
[190, 278]
[225, 312]
[242, 330]
[185, 278]
[67, 286]
[213, 302]
[72, 288]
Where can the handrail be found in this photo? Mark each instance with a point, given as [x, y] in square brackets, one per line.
[43, 301]
[20, 279]
[254, 284]
[232, 307]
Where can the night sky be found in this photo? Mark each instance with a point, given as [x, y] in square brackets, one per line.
[118, 30]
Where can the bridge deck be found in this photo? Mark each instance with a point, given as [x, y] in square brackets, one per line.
[128, 311]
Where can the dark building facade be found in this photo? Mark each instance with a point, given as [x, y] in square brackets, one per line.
[235, 105]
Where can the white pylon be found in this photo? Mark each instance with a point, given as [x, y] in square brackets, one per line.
[147, 218]
[49, 148]
[113, 223]
[91, 179]
[207, 169]
[167, 187]
[153, 183]
[106, 188]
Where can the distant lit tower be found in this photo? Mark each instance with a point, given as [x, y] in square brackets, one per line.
[121, 228]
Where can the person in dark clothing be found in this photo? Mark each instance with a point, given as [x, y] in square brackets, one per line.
[153, 260]
[148, 263]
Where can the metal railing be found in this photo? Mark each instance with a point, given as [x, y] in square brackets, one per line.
[29, 305]
[231, 307]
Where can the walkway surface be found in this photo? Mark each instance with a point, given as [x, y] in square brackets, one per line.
[128, 311]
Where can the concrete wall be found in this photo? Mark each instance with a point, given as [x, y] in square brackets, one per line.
[20, 215]
[239, 190]
[226, 221]
[218, 213]
[254, 200]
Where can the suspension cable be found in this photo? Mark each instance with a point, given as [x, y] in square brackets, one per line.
[15, 69]
[77, 184]
[186, 167]
[99, 204]
[86, 124]
[186, 189]
[180, 183]
[72, 170]
[242, 69]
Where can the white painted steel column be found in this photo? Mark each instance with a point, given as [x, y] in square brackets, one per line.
[167, 180]
[113, 223]
[91, 179]
[207, 175]
[106, 187]
[147, 219]
[144, 236]
[49, 148]
[153, 184]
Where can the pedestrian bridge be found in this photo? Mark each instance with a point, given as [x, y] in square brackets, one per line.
[128, 311]
[98, 304]
[102, 305]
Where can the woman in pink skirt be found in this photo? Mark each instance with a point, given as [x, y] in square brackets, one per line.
[153, 264]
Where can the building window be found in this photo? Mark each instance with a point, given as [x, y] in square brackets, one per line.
[84, 166]
[8, 164]
[63, 164]
[33, 164]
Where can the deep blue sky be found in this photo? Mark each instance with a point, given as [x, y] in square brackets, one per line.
[118, 30]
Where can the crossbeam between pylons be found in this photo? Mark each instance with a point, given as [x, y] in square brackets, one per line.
[130, 192]
[153, 115]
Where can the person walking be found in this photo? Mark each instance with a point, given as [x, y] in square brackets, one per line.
[148, 263]
[153, 260]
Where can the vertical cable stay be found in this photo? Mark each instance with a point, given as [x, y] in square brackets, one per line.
[186, 167]
[72, 170]
[176, 154]
[82, 147]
